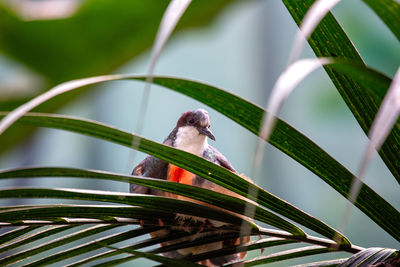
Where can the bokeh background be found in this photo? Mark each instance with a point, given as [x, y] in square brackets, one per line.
[241, 46]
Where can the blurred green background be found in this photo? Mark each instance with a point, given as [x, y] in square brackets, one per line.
[241, 46]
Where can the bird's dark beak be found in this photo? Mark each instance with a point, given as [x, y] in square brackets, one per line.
[206, 131]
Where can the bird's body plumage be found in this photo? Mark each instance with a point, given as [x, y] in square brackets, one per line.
[190, 135]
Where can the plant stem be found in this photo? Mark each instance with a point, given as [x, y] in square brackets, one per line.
[311, 240]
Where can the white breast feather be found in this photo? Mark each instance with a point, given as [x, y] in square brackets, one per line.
[190, 140]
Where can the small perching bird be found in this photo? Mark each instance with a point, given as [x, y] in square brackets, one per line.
[190, 134]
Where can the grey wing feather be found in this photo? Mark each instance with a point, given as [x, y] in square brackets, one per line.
[149, 167]
[221, 160]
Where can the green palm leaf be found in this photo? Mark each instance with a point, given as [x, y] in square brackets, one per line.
[389, 12]
[217, 199]
[53, 244]
[92, 246]
[196, 165]
[285, 255]
[329, 40]
[370, 256]
[10, 235]
[165, 206]
[361, 88]
[32, 237]
[136, 245]
[289, 140]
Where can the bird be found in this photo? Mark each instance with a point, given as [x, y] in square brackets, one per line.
[190, 134]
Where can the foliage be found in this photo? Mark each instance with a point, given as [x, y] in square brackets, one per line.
[361, 87]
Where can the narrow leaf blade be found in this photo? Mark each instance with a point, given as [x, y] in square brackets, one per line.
[33, 237]
[91, 246]
[52, 244]
[369, 257]
[329, 40]
[227, 179]
[285, 255]
[389, 12]
[223, 201]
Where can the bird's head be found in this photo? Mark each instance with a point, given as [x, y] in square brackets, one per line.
[196, 119]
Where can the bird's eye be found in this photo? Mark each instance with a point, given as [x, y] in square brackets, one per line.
[191, 121]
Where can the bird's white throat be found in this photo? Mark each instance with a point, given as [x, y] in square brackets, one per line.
[190, 140]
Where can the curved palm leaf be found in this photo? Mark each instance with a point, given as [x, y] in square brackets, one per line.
[222, 201]
[329, 40]
[149, 202]
[389, 12]
[137, 254]
[112, 253]
[260, 244]
[369, 202]
[52, 244]
[345, 86]
[370, 256]
[162, 259]
[328, 263]
[289, 254]
[284, 137]
[126, 30]
[10, 235]
[93, 245]
[285, 255]
[54, 212]
[201, 167]
[6, 246]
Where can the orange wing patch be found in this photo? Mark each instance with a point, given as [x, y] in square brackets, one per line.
[179, 175]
